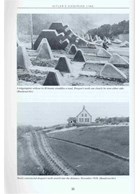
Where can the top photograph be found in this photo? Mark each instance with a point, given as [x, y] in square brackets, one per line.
[72, 49]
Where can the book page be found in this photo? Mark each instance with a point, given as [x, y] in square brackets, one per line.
[69, 93]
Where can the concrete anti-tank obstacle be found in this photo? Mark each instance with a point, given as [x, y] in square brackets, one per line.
[55, 40]
[54, 78]
[103, 53]
[64, 65]
[81, 42]
[118, 60]
[59, 27]
[117, 41]
[73, 49]
[63, 44]
[125, 44]
[79, 57]
[69, 33]
[109, 71]
[23, 61]
[44, 50]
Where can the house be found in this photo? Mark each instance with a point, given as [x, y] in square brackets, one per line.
[84, 117]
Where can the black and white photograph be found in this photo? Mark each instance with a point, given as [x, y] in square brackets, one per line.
[73, 139]
[72, 49]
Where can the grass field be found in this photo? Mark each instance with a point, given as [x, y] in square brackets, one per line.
[32, 160]
[91, 162]
[115, 139]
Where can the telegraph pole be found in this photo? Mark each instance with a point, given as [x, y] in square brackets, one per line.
[31, 31]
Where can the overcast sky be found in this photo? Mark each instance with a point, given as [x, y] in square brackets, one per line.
[84, 22]
[95, 20]
[80, 23]
[101, 19]
[47, 114]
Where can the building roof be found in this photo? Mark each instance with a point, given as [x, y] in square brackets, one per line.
[84, 110]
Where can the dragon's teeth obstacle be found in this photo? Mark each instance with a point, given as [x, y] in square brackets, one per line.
[23, 61]
[79, 57]
[64, 65]
[54, 78]
[73, 49]
[56, 41]
[44, 50]
[118, 60]
[103, 53]
[109, 71]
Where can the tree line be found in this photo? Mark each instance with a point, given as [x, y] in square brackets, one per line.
[112, 120]
[110, 30]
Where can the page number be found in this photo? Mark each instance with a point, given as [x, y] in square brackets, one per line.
[73, 189]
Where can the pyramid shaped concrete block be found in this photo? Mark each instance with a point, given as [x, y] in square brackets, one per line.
[23, 61]
[54, 78]
[125, 44]
[81, 42]
[64, 44]
[56, 41]
[117, 41]
[73, 49]
[111, 72]
[63, 65]
[103, 53]
[79, 56]
[44, 50]
[118, 60]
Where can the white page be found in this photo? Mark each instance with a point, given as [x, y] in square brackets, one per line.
[69, 116]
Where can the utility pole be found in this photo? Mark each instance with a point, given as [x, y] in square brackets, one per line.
[31, 31]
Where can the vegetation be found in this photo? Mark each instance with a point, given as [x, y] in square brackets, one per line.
[112, 120]
[111, 138]
[110, 30]
[22, 130]
[115, 139]
[29, 161]
[87, 162]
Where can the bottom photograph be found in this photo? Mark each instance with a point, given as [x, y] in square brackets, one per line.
[73, 139]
